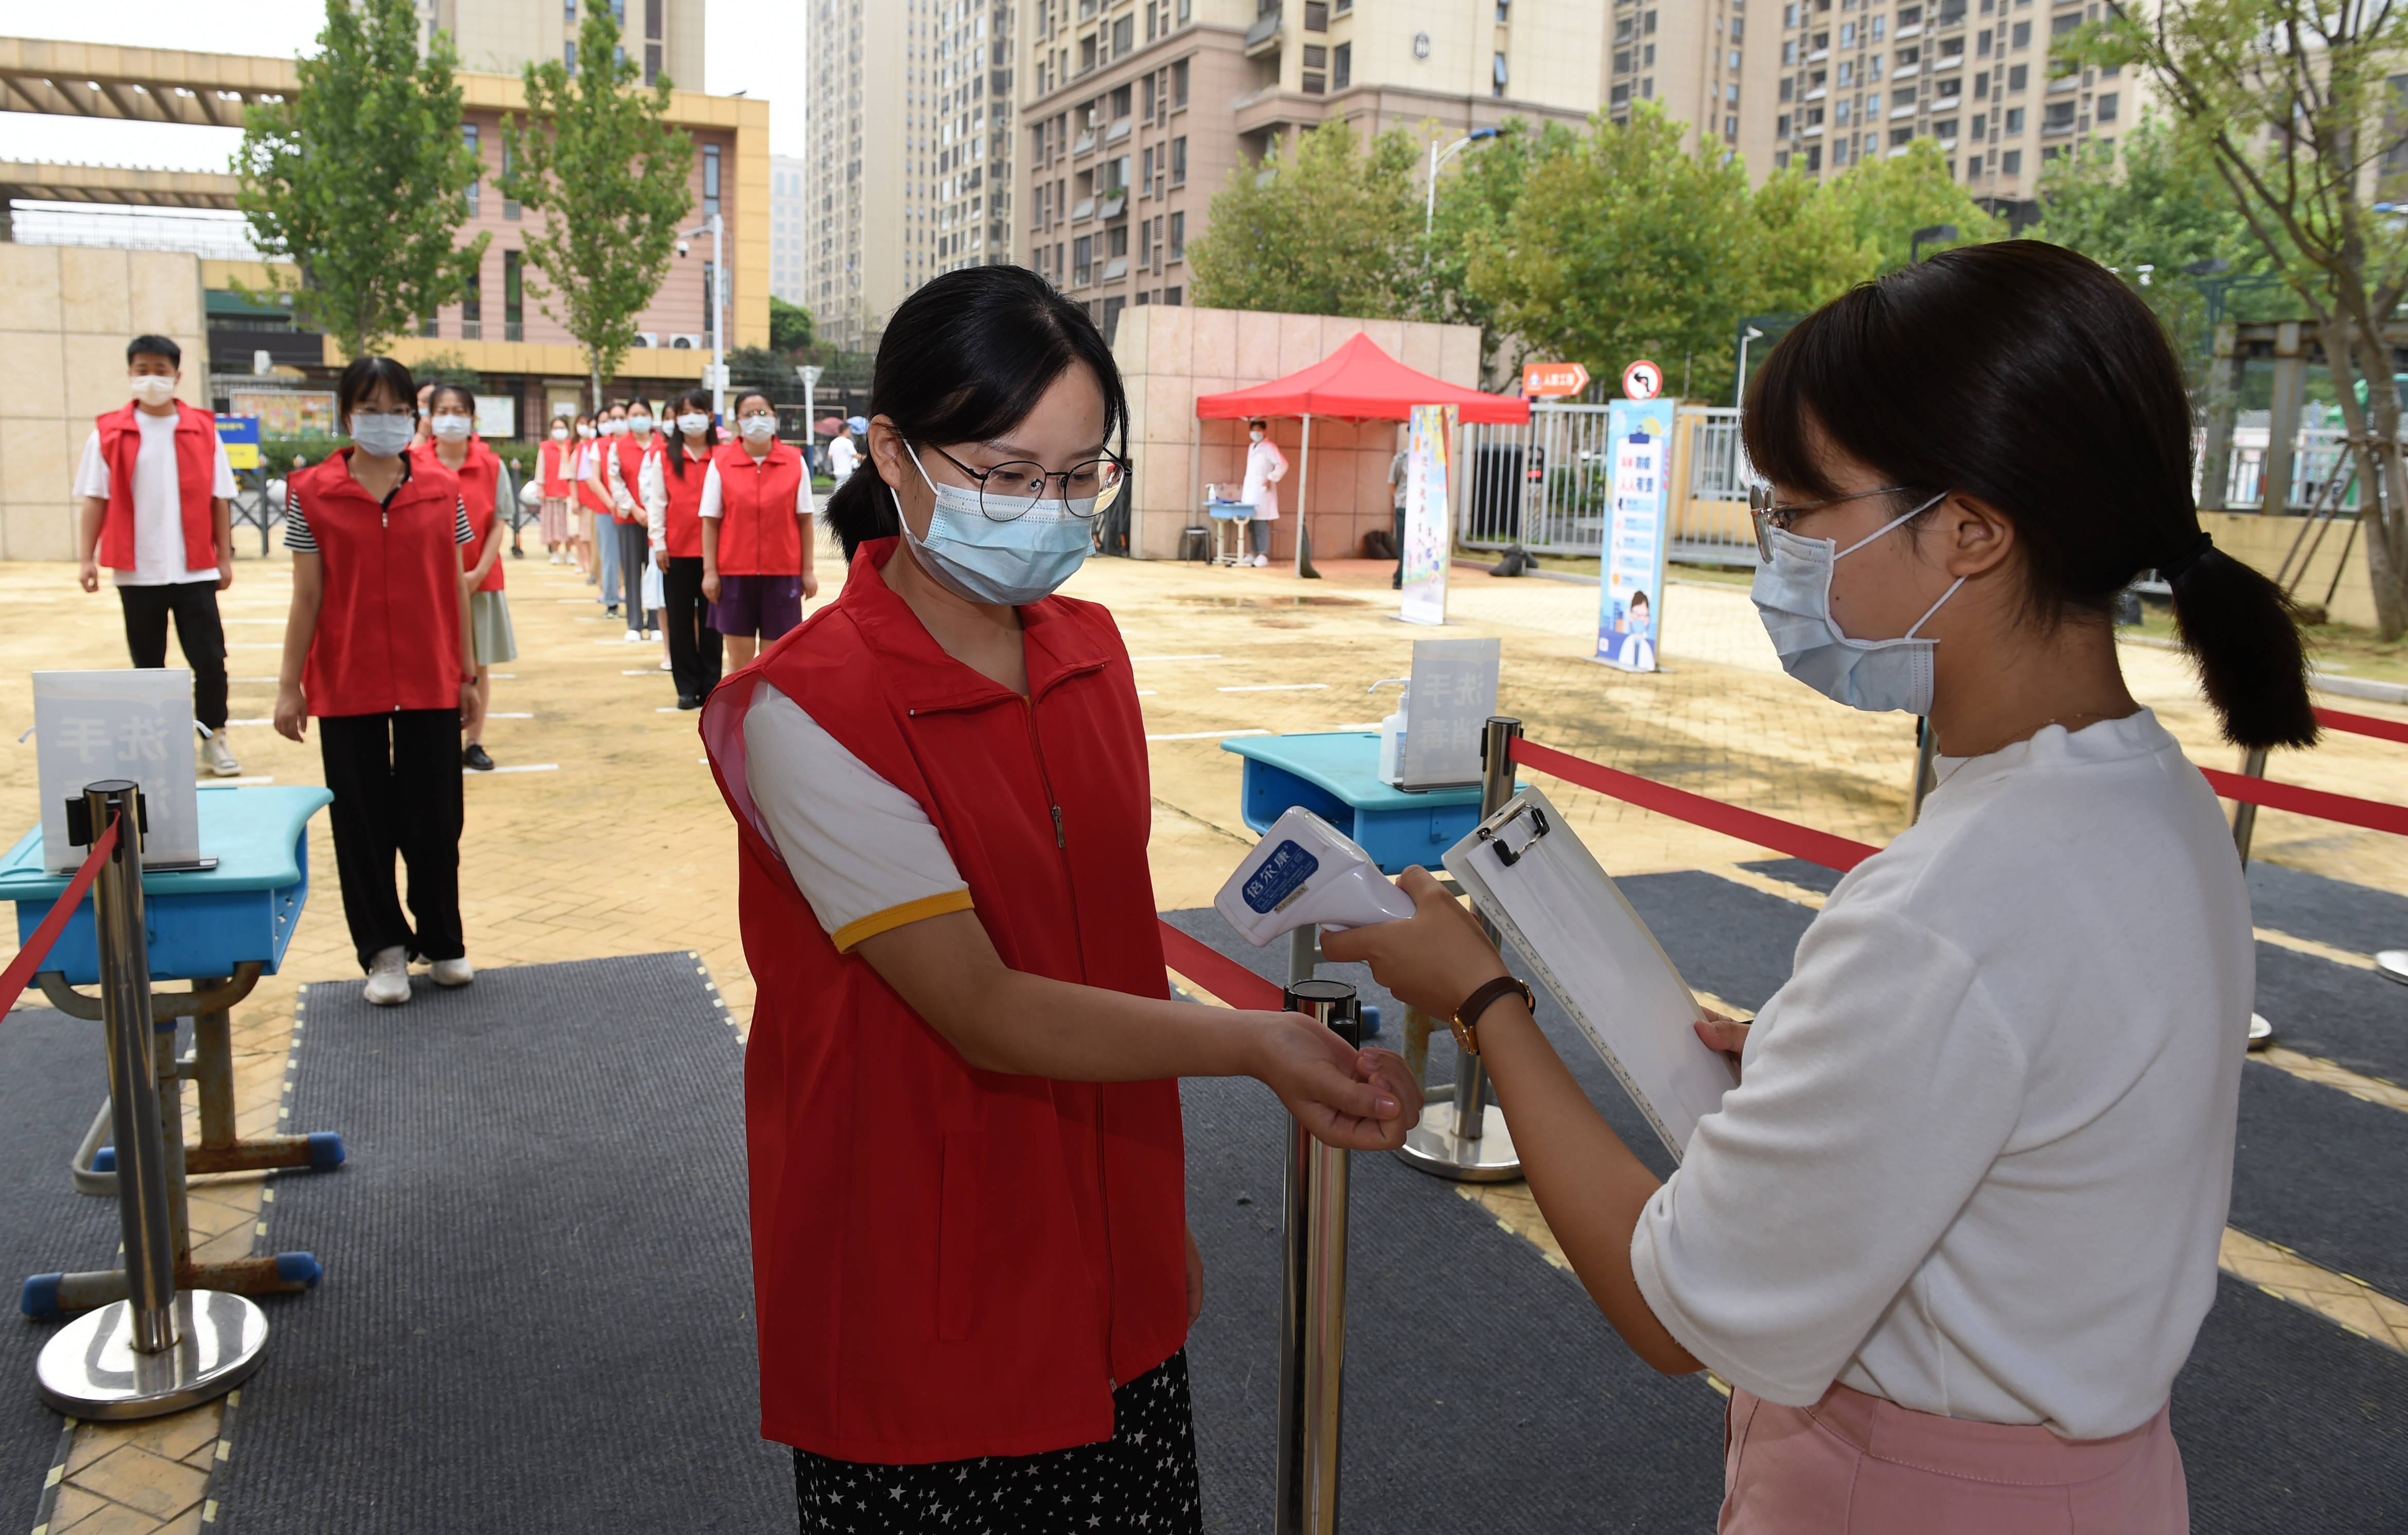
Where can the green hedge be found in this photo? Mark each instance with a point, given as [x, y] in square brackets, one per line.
[279, 452]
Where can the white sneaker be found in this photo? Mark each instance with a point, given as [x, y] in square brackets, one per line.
[388, 979]
[220, 756]
[633, 637]
[1261, 560]
[452, 973]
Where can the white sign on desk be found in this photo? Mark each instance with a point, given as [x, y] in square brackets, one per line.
[1453, 693]
[89, 725]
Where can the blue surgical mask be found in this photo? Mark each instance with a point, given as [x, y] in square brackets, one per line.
[1793, 597]
[1011, 563]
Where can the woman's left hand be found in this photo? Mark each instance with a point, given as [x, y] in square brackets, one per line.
[467, 696]
[1432, 960]
[1194, 1279]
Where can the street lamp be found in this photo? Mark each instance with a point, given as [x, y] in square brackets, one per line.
[810, 378]
[714, 228]
[1739, 386]
[1930, 233]
[1438, 157]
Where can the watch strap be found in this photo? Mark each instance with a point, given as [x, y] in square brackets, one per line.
[1466, 1017]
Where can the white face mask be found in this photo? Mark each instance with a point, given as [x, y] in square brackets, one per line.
[382, 433]
[1254, 436]
[694, 423]
[153, 390]
[560, 434]
[758, 428]
[614, 428]
[586, 433]
[1793, 596]
[641, 425]
[451, 428]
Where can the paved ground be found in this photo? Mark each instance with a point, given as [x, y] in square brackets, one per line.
[603, 835]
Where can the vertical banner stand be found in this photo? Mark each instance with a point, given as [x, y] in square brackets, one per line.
[156, 1351]
[1465, 1139]
[1313, 1291]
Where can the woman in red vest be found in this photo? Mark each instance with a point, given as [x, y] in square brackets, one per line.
[623, 469]
[971, 1264]
[377, 648]
[553, 461]
[453, 442]
[593, 519]
[672, 490]
[756, 532]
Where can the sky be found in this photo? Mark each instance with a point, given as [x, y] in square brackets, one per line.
[746, 48]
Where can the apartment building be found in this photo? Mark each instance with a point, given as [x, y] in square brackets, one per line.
[1134, 113]
[1866, 78]
[503, 37]
[1694, 61]
[786, 227]
[911, 149]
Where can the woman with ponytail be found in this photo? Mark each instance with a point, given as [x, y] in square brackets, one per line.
[1951, 1232]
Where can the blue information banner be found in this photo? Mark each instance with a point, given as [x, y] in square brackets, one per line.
[1638, 447]
[240, 434]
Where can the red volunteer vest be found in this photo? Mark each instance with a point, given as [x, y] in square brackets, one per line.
[196, 452]
[757, 531]
[596, 502]
[630, 451]
[684, 523]
[389, 630]
[481, 484]
[950, 1262]
[554, 461]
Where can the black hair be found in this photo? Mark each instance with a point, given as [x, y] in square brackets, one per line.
[154, 346]
[700, 400]
[2031, 377]
[360, 379]
[1254, 422]
[467, 397]
[762, 395]
[963, 360]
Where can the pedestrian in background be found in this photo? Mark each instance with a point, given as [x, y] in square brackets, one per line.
[1266, 467]
[158, 511]
[756, 532]
[611, 425]
[484, 488]
[625, 470]
[552, 459]
[377, 647]
[672, 486]
[842, 457]
[1400, 476]
[593, 504]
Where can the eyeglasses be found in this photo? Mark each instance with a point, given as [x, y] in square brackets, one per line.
[1769, 515]
[1009, 492]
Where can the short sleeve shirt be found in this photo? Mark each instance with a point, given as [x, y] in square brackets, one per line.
[158, 501]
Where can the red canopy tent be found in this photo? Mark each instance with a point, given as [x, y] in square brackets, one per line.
[1356, 382]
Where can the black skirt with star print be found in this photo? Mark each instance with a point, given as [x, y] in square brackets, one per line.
[1142, 1479]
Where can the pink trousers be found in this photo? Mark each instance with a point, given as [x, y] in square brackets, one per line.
[1856, 1464]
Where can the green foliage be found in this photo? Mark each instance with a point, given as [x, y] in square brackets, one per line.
[1474, 203]
[1807, 250]
[758, 367]
[790, 327]
[361, 179]
[597, 157]
[446, 368]
[1327, 227]
[1888, 199]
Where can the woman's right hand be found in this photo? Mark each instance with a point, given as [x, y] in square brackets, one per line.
[660, 559]
[1355, 1100]
[710, 587]
[291, 711]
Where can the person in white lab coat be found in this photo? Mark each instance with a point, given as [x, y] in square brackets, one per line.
[1266, 467]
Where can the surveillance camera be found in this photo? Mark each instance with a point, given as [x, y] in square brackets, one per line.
[680, 248]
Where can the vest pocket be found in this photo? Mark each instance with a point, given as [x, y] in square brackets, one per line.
[957, 1226]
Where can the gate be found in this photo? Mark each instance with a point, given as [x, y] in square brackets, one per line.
[1546, 486]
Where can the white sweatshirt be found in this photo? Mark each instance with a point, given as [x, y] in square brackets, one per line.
[1981, 1153]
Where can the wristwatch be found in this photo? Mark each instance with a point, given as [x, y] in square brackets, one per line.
[1466, 1021]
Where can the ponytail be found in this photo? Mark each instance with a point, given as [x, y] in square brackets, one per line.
[2243, 633]
[862, 508]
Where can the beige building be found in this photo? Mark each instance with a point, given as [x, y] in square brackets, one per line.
[1134, 113]
[1861, 79]
[910, 140]
[1694, 60]
[502, 36]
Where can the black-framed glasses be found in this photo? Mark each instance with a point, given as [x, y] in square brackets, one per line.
[1010, 491]
[1769, 514]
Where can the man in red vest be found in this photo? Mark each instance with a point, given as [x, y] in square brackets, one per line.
[157, 510]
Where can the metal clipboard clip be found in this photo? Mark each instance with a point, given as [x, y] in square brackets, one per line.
[1507, 853]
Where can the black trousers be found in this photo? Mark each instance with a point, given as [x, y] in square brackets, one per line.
[194, 605]
[695, 646]
[635, 553]
[397, 783]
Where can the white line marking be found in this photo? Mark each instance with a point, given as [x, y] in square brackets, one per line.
[510, 716]
[1277, 687]
[643, 671]
[232, 723]
[254, 679]
[1209, 735]
[263, 645]
[518, 768]
[505, 675]
[235, 783]
[1148, 691]
[254, 621]
[1214, 657]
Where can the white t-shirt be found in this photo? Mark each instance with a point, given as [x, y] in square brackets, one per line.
[863, 853]
[841, 456]
[158, 504]
[1981, 1153]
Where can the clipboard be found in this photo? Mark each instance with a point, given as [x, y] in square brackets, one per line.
[1530, 874]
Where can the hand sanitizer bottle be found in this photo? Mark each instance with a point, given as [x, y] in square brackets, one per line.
[1392, 730]
[1303, 870]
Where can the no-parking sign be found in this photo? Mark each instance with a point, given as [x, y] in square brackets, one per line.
[1641, 381]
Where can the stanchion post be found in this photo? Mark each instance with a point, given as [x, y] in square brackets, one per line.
[1466, 1137]
[1312, 1297]
[2245, 814]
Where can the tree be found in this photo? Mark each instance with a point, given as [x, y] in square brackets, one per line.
[1326, 226]
[1630, 248]
[2293, 104]
[790, 327]
[446, 368]
[758, 367]
[1807, 251]
[1886, 200]
[1477, 199]
[362, 178]
[597, 158]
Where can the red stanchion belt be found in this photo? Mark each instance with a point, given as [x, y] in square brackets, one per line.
[2374, 814]
[2363, 724]
[21, 969]
[1223, 977]
[1816, 847]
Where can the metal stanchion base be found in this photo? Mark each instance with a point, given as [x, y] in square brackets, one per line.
[1433, 1147]
[2261, 1033]
[90, 1370]
[2394, 964]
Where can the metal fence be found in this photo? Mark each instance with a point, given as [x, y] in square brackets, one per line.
[2316, 454]
[1547, 485]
